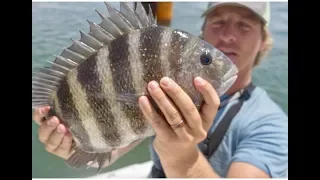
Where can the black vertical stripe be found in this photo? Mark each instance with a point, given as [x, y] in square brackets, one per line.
[120, 65]
[70, 115]
[180, 44]
[150, 46]
[123, 82]
[88, 77]
[152, 64]
[177, 45]
[151, 61]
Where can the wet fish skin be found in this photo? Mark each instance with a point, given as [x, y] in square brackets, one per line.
[96, 96]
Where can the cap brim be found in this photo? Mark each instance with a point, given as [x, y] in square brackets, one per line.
[232, 4]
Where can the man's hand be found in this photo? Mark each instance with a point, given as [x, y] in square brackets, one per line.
[58, 140]
[53, 134]
[176, 142]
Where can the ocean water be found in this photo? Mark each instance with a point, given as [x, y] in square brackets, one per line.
[53, 24]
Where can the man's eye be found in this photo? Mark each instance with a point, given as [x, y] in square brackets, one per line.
[218, 22]
[244, 26]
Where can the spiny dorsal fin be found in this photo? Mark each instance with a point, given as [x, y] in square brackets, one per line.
[119, 19]
[151, 18]
[90, 40]
[47, 79]
[110, 26]
[142, 14]
[129, 13]
[100, 33]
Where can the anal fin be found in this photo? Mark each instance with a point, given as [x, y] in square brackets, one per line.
[80, 158]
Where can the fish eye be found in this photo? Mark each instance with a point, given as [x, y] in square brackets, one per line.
[205, 59]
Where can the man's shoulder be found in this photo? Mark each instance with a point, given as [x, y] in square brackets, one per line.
[258, 115]
[260, 109]
[260, 106]
[260, 131]
[261, 101]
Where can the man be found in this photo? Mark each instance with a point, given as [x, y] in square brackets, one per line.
[256, 143]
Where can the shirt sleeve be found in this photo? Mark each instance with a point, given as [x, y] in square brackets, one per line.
[264, 144]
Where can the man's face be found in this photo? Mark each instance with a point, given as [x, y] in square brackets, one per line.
[236, 32]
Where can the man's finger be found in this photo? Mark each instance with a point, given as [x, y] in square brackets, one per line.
[64, 150]
[211, 99]
[183, 102]
[161, 127]
[167, 107]
[39, 114]
[55, 138]
[46, 129]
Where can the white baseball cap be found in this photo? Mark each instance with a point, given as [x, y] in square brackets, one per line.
[261, 9]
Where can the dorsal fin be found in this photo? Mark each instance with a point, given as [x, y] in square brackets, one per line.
[46, 80]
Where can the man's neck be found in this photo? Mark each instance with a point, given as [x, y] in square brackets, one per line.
[242, 81]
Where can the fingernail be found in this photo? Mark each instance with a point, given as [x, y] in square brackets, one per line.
[153, 85]
[165, 81]
[52, 122]
[60, 129]
[199, 80]
[143, 101]
[43, 111]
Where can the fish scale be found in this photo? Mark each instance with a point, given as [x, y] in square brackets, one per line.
[93, 86]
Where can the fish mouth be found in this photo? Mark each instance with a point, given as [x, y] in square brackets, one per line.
[228, 80]
[233, 71]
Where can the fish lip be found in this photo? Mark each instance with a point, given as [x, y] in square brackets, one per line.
[228, 80]
[233, 71]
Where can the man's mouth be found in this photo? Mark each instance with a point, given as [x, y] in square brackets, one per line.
[230, 55]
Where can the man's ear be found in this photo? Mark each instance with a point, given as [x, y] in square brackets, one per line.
[264, 45]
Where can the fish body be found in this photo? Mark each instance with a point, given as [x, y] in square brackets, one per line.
[94, 85]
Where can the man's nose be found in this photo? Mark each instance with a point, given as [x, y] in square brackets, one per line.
[227, 35]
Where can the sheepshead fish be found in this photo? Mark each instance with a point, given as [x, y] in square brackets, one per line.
[93, 86]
